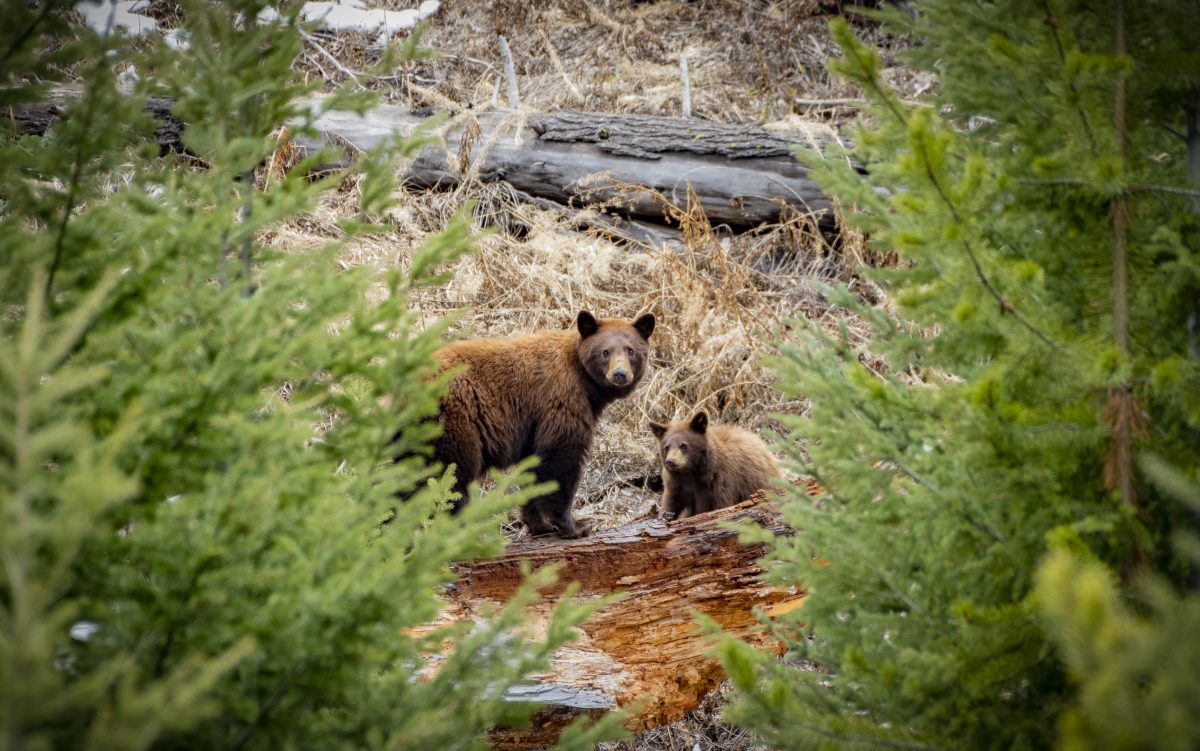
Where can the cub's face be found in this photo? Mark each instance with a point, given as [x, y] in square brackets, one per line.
[684, 445]
[613, 351]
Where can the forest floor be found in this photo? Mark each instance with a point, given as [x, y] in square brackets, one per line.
[723, 303]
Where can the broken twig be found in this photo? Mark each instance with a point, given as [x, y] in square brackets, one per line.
[510, 73]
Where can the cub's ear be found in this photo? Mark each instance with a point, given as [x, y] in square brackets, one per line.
[658, 429]
[645, 325]
[586, 323]
[699, 422]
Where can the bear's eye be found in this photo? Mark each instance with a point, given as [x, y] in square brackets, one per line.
[604, 353]
[629, 351]
[683, 447]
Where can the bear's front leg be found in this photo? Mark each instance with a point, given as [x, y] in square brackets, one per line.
[669, 507]
[532, 516]
[677, 500]
[563, 466]
[459, 445]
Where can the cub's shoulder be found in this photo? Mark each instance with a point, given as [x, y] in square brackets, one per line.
[732, 435]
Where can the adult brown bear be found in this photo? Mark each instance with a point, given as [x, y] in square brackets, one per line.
[707, 468]
[538, 394]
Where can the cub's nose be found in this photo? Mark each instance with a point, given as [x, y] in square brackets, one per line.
[671, 463]
[620, 376]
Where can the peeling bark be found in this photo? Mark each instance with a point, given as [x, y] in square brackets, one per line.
[648, 645]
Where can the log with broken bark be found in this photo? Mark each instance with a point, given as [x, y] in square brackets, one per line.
[646, 652]
[38, 118]
[740, 175]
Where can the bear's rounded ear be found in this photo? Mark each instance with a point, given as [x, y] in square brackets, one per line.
[700, 422]
[645, 325]
[586, 323]
[658, 429]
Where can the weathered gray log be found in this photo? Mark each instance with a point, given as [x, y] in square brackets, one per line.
[739, 175]
[649, 137]
[630, 230]
[37, 119]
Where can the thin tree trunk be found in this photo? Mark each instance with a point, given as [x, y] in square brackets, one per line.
[1122, 409]
[1191, 110]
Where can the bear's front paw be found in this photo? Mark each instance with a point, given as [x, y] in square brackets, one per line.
[667, 516]
[575, 531]
[535, 527]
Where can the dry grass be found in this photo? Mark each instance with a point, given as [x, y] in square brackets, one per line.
[722, 301]
[701, 728]
[749, 61]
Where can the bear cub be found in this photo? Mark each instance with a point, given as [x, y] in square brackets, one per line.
[706, 468]
[538, 394]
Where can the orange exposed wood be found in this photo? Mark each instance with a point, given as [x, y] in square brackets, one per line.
[647, 646]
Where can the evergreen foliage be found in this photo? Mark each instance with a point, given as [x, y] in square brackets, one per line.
[1136, 668]
[1048, 176]
[185, 560]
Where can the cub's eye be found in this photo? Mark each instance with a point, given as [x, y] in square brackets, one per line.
[629, 351]
[605, 353]
[683, 447]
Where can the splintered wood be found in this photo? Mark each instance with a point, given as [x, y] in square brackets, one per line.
[646, 652]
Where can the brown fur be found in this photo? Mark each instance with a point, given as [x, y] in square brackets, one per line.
[710, 467]
[539, 394]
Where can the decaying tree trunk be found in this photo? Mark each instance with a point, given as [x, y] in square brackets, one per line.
[38, 119]
[739, 175]
[648, 645]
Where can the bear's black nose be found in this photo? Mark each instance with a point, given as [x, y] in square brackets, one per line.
[620, 376]
[671, 464]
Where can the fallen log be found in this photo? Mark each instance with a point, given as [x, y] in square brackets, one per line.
[646, 651]
[740, 175]
[36, 119]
